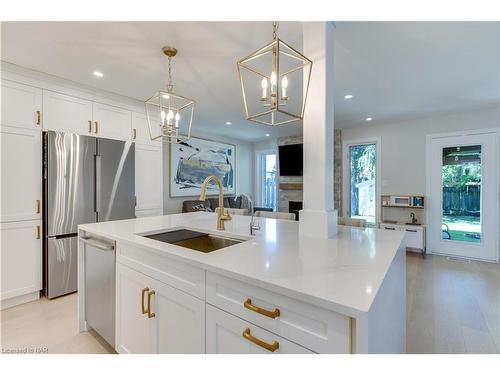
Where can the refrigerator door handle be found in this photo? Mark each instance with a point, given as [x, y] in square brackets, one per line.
[97, 183]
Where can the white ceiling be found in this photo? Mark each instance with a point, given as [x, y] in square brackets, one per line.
[395, 70]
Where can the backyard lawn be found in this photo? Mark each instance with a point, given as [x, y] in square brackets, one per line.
[463, 228]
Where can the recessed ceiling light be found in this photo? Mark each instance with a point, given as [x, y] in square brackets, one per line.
[228, 122]
[268, 135]
[98, 74]
[369, 119]
[348, 96]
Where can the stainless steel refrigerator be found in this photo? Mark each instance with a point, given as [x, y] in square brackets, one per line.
[85, 180]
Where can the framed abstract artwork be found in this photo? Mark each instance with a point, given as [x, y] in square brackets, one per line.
[193, 160]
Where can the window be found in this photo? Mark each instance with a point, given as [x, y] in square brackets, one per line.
[268, 181]
[362, 172]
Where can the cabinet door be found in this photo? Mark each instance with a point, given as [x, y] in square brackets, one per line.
[66, 113]
[21, 182]
[111, 122]
[140, 129]
[225, 335]
[148, 177]
[179, 320]
[21, 105]
[134, 330]
[20, 258]
[414, 238]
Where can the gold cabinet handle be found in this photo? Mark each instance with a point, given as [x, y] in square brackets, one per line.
[38, 117]
[90, 126]
[271, 347]
[37, 206]
[96, 127]
[150, 314]
[37, 236]
[134, 133]
[259, 310]
[143, 309]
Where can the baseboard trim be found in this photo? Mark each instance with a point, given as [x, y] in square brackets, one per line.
[19, 300]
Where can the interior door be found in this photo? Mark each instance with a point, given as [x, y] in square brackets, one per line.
[463, 200]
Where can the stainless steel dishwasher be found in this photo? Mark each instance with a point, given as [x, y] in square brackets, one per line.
[100, 271]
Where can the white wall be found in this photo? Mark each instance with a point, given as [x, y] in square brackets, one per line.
[403, 145]
[244, 169]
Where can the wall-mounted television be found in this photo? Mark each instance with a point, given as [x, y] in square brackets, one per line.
[291, 160]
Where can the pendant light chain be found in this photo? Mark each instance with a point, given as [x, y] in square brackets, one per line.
[170, 87]
[275, 29]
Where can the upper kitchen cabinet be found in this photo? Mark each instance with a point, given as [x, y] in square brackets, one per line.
[67, 113]
[111, 122]
[140, 129]
[21, 186]
[21, 105]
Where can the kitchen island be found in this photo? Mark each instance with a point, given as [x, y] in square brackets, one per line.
[274, 292]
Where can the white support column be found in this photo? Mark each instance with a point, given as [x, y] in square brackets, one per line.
[318, 218]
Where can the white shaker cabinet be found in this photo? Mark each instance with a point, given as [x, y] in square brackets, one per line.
[140, 129]
[67, 113]
[153, 317]
[21, 258]
[21, 105]
[148, 178]
[21, 183]
[134, 329]
[228, 334]
[111, 122]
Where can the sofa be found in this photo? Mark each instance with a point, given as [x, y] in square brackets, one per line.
[210, 204]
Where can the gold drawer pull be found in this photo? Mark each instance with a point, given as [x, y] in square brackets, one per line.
[96, 127]
[38, 117]
[37, 232]
[90, 126]
[143, 309]
[134, 133]
[271, 347]
[150, 314]
[259, 310]
[37, 206]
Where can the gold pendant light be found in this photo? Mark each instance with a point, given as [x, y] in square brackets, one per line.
[274, 83]
[169, 115]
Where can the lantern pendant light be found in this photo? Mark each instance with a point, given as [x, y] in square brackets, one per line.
[169, 115]
[274, 83]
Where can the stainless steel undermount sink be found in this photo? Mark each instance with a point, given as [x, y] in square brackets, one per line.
[193, 240]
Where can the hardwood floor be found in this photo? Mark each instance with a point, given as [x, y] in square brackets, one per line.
[50, 325]
[452, 307]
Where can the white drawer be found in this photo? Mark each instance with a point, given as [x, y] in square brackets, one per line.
[414, 238]
[180, 275]
[228, 334]
[315, 328]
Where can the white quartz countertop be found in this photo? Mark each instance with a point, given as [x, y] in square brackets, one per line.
[343, 273]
